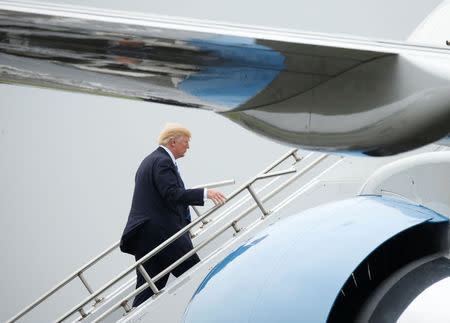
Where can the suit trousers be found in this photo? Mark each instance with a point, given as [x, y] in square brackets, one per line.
[148, 237]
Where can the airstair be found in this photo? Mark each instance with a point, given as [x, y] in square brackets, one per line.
[306, 178]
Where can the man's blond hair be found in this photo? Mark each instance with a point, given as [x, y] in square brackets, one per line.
[172, 131]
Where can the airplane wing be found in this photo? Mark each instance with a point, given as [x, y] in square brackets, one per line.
[310, 90]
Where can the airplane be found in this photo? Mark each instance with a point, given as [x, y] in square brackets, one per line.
[319, 92]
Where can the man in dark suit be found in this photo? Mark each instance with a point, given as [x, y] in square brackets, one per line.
[160, 208]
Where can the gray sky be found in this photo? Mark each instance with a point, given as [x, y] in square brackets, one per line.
[68, 160]
[380, 19]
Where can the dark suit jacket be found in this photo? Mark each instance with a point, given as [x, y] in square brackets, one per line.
[160, 198]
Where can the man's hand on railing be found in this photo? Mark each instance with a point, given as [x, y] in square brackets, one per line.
[216, 196]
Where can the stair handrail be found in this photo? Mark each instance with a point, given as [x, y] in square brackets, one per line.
[94, 295]
[232, 224]
[79, 272]
[138, 264]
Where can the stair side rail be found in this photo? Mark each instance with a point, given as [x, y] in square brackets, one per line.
[94, 295]
[80, 271]
[232, 224]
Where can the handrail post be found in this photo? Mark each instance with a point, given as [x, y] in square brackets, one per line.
[82, 312]
[148, 279]
[257, 200]
[296, 157]
[88, 287]
[204, 222]
[199, 214]
[196, 211]
[235, 227]
[126, 307]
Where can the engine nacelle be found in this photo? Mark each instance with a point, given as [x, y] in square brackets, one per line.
[320, 264]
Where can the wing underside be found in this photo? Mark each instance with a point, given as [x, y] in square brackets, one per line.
[141, 59]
